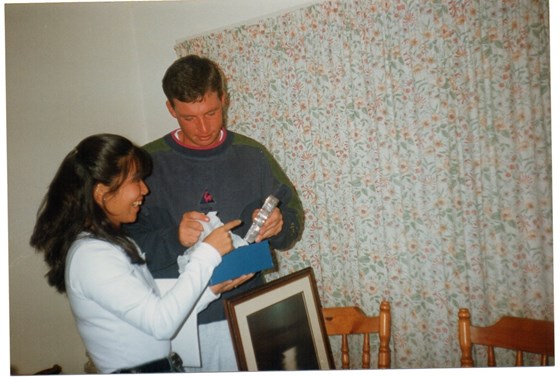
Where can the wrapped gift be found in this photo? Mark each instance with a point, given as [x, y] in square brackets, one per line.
[243, 260]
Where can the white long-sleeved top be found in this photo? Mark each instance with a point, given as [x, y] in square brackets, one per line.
[119, 312]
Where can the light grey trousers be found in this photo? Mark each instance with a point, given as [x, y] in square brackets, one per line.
[216, 349]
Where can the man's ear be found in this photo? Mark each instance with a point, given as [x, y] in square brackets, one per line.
[170, 109]
[99, 192]
[225, 100]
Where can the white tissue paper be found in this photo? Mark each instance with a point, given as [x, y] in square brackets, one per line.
[208, 227]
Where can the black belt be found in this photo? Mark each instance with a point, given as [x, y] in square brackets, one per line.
[170, 364]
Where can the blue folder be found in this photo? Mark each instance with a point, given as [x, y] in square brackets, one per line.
[243, 260]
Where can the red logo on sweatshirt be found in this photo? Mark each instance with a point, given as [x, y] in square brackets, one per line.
[206, 198]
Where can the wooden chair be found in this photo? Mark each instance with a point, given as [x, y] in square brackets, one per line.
[352, 320]
[514, 333]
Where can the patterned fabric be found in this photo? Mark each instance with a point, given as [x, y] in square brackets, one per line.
[418, 136]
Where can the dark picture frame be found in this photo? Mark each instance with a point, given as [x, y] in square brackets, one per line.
[279, 326]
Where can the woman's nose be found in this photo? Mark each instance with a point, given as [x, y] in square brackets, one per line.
[144, 190]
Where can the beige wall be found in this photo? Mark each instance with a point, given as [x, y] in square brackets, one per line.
[74, 69]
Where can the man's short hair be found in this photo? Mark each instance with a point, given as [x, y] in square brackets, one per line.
[189, 78]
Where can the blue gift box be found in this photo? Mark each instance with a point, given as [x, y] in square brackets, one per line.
[243, 260]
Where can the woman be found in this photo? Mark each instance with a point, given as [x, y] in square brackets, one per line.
[124, 322]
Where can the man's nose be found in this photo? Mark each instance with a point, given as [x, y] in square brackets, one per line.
[202, 125]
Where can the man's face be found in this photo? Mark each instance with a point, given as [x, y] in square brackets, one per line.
[200, 121]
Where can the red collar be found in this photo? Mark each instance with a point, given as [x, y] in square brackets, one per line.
[222, 138]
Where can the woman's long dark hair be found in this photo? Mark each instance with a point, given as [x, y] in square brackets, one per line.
[69, 207]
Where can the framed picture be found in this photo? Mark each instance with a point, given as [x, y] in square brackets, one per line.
[279, 326]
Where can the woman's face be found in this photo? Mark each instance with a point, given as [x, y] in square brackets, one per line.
[123, 205]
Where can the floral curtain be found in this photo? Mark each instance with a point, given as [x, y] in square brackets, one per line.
[418, 136]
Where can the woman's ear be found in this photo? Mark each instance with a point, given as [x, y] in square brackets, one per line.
[99, 192]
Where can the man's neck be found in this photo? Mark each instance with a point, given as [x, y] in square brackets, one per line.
[177, 136]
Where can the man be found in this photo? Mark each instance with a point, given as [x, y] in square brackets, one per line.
[203, 167]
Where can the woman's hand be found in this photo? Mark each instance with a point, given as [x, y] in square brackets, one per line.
[220, 238]
[228, 285]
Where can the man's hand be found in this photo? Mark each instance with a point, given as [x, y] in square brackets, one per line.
[190, 228]
[272, 226]
[228, 285]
